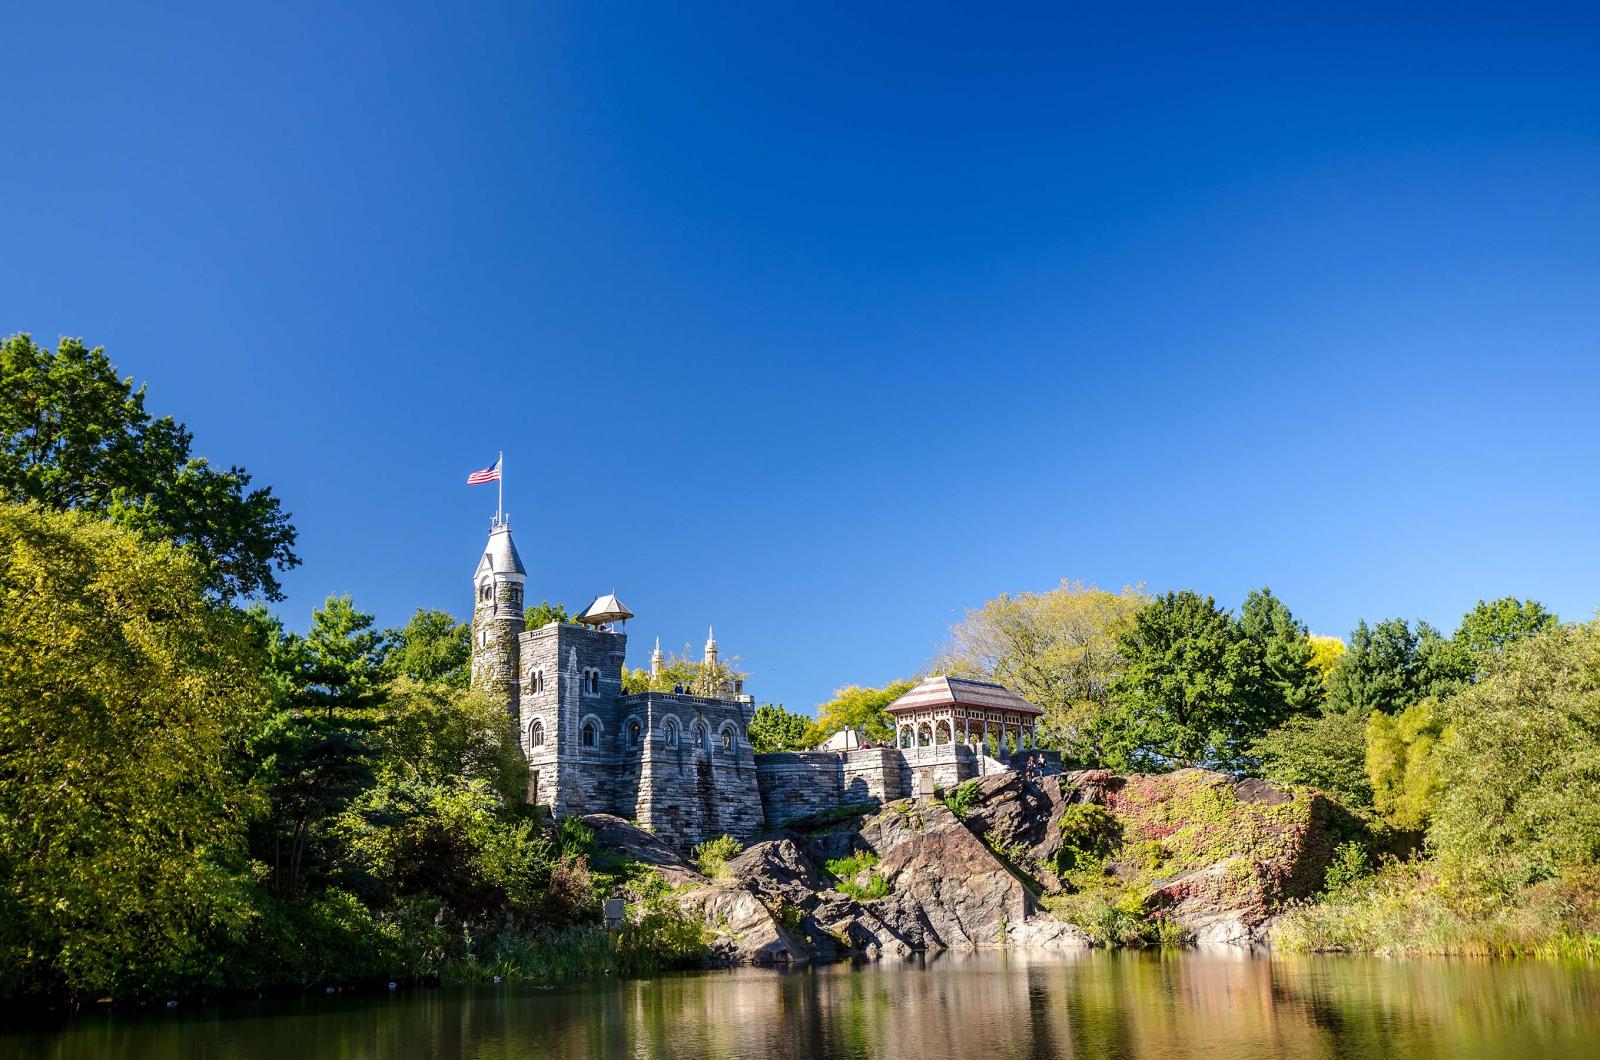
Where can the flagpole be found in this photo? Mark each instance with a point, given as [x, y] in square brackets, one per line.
[500, 482]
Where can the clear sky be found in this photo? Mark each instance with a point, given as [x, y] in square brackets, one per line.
[826, 323]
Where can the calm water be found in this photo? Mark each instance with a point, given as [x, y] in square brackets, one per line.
[1099, 1005]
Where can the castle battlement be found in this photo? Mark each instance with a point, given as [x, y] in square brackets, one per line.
[681, 764]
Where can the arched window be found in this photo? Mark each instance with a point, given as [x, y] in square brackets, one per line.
[672, 733]
[536, 734]
[697, 736]
[633, 734]
[924, 734]
[727, 739]
[591, 681]
[941, 732]
[538, 680]
[591, 734]
[486, 591]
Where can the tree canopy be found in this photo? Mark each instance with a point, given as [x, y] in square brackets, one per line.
[774, 729]
[1494, 625]
[127, 701]
[73, 435]
[1059, 650]
[1193, 689]
[859, 708]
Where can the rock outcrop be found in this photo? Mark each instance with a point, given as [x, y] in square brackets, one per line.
[1215, 855]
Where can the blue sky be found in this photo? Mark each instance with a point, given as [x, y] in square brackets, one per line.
[825, 324]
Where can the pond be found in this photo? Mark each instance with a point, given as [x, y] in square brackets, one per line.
[1105, 1006]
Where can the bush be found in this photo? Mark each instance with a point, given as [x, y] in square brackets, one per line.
[962, 798]
[846, 873]
[1088, 833]
[713, 855]
[1349, 865]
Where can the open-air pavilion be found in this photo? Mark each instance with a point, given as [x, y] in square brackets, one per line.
[944, 710]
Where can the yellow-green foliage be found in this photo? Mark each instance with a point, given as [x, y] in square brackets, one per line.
[714, 854]
[1088, 833]
[1325, 654]
[962, 799]
[1521, 769]
[1400, 763]
[846, 870]
[123, 697]
[1415, 908]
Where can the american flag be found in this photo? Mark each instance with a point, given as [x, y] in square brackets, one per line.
[488, 474]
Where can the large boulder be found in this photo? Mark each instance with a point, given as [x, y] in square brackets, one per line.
[1219, 855]
[742, 929]
[946, 887]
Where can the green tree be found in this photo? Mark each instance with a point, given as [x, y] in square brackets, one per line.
[75, 436]
[1324, 751]
[855, 707]
[544, 614]
[124, 695]
[1287, 654]
[1400, 763]
[433, 646]
[775, 729]
[1494, 625]
[316, 745]
[694, 676]
[438, 734]
[1520, 771]
[1059, 650]
[1192, 690]
[1389, 667]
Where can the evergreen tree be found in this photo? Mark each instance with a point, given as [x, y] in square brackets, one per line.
[1287, 654]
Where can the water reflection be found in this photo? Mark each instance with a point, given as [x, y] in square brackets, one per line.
[994, 1006]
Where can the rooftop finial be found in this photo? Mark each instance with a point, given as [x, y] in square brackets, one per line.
[711, 646]
[657, 659]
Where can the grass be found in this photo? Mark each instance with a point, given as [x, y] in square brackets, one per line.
[1415, 908]
[713, 856]
[846, 872]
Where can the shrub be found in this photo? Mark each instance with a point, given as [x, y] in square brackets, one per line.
[962, 798]
[1349, 865]
[1088, 833]
[846, 874]
[713, 855]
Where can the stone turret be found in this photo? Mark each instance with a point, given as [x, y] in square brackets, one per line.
[658, 660]
[497, 617]
[711, 648]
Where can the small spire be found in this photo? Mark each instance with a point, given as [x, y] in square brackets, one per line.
[657, 659]
[711, 646]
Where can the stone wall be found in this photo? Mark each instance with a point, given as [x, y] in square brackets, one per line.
[799, 784]
[695, 776]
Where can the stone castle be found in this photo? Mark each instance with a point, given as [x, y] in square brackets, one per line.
[681, 765]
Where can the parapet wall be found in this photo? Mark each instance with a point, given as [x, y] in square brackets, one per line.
[799, 784]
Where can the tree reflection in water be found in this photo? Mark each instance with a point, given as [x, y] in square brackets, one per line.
[994, 1006]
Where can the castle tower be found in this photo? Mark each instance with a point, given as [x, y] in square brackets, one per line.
[497, 617]
[711, 649]
[657, 660]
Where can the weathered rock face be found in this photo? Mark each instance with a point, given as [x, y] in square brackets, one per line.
[1218, 855]
[744, 929]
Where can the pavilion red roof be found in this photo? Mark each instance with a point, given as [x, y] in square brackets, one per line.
[960, 691]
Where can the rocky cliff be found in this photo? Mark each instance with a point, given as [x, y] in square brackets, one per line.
[1064, 861]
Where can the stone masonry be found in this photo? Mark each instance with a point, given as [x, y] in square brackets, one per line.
[679, 765]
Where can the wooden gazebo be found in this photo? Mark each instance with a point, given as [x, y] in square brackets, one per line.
[942, 710]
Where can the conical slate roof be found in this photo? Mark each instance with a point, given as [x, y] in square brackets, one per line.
[605, 608]
[501, 553]
[960, 691]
